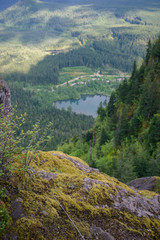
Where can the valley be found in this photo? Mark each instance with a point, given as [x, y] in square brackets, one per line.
[60, 50]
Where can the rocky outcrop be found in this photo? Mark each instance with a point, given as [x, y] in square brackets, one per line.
[146, 183]
[61, 197]
[5, 97]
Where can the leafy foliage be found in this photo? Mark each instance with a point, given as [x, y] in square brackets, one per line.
[4, 216]
[4, 219]
[14, 140]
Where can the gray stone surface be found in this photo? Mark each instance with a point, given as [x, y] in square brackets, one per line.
[17, 209]
[88, 183]
[137, 204]
[44, 175]
[145, 183]
[132, 202]
[99, 234]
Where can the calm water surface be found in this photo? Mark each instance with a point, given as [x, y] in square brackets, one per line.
[87, 105]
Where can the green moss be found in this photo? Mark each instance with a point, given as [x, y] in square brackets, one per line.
[71, 204]
[49, 163]
[30, 228]
[65, 155]
[147, 194]
[123, 225]
[99, 195]
[69, 184]
[35, 204]
[147, 226]
[157, 185]
[39, 185]
[111, 181]
[5, 219]
[84, 228]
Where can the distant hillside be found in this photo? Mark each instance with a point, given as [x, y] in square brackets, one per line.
[31, 29]
[125, 140]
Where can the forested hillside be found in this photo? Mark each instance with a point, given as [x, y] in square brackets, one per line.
[125, 140]
[117, 54]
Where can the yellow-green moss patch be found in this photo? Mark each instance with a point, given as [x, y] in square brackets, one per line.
[65, 155]
[49, 163]
[147, 194]
[99, 195]
[34, 204]
[29, 228]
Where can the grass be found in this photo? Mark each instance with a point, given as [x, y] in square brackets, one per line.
[70, 73]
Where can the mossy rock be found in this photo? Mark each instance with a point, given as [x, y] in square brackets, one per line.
[61, 197]
[146, 183]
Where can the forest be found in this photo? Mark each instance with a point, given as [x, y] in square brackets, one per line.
[125, 139]
[65, 123]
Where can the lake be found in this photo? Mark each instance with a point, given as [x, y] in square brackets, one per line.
[87, 105]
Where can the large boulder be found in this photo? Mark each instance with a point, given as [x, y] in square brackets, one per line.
[61, 197]
[146, 183]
